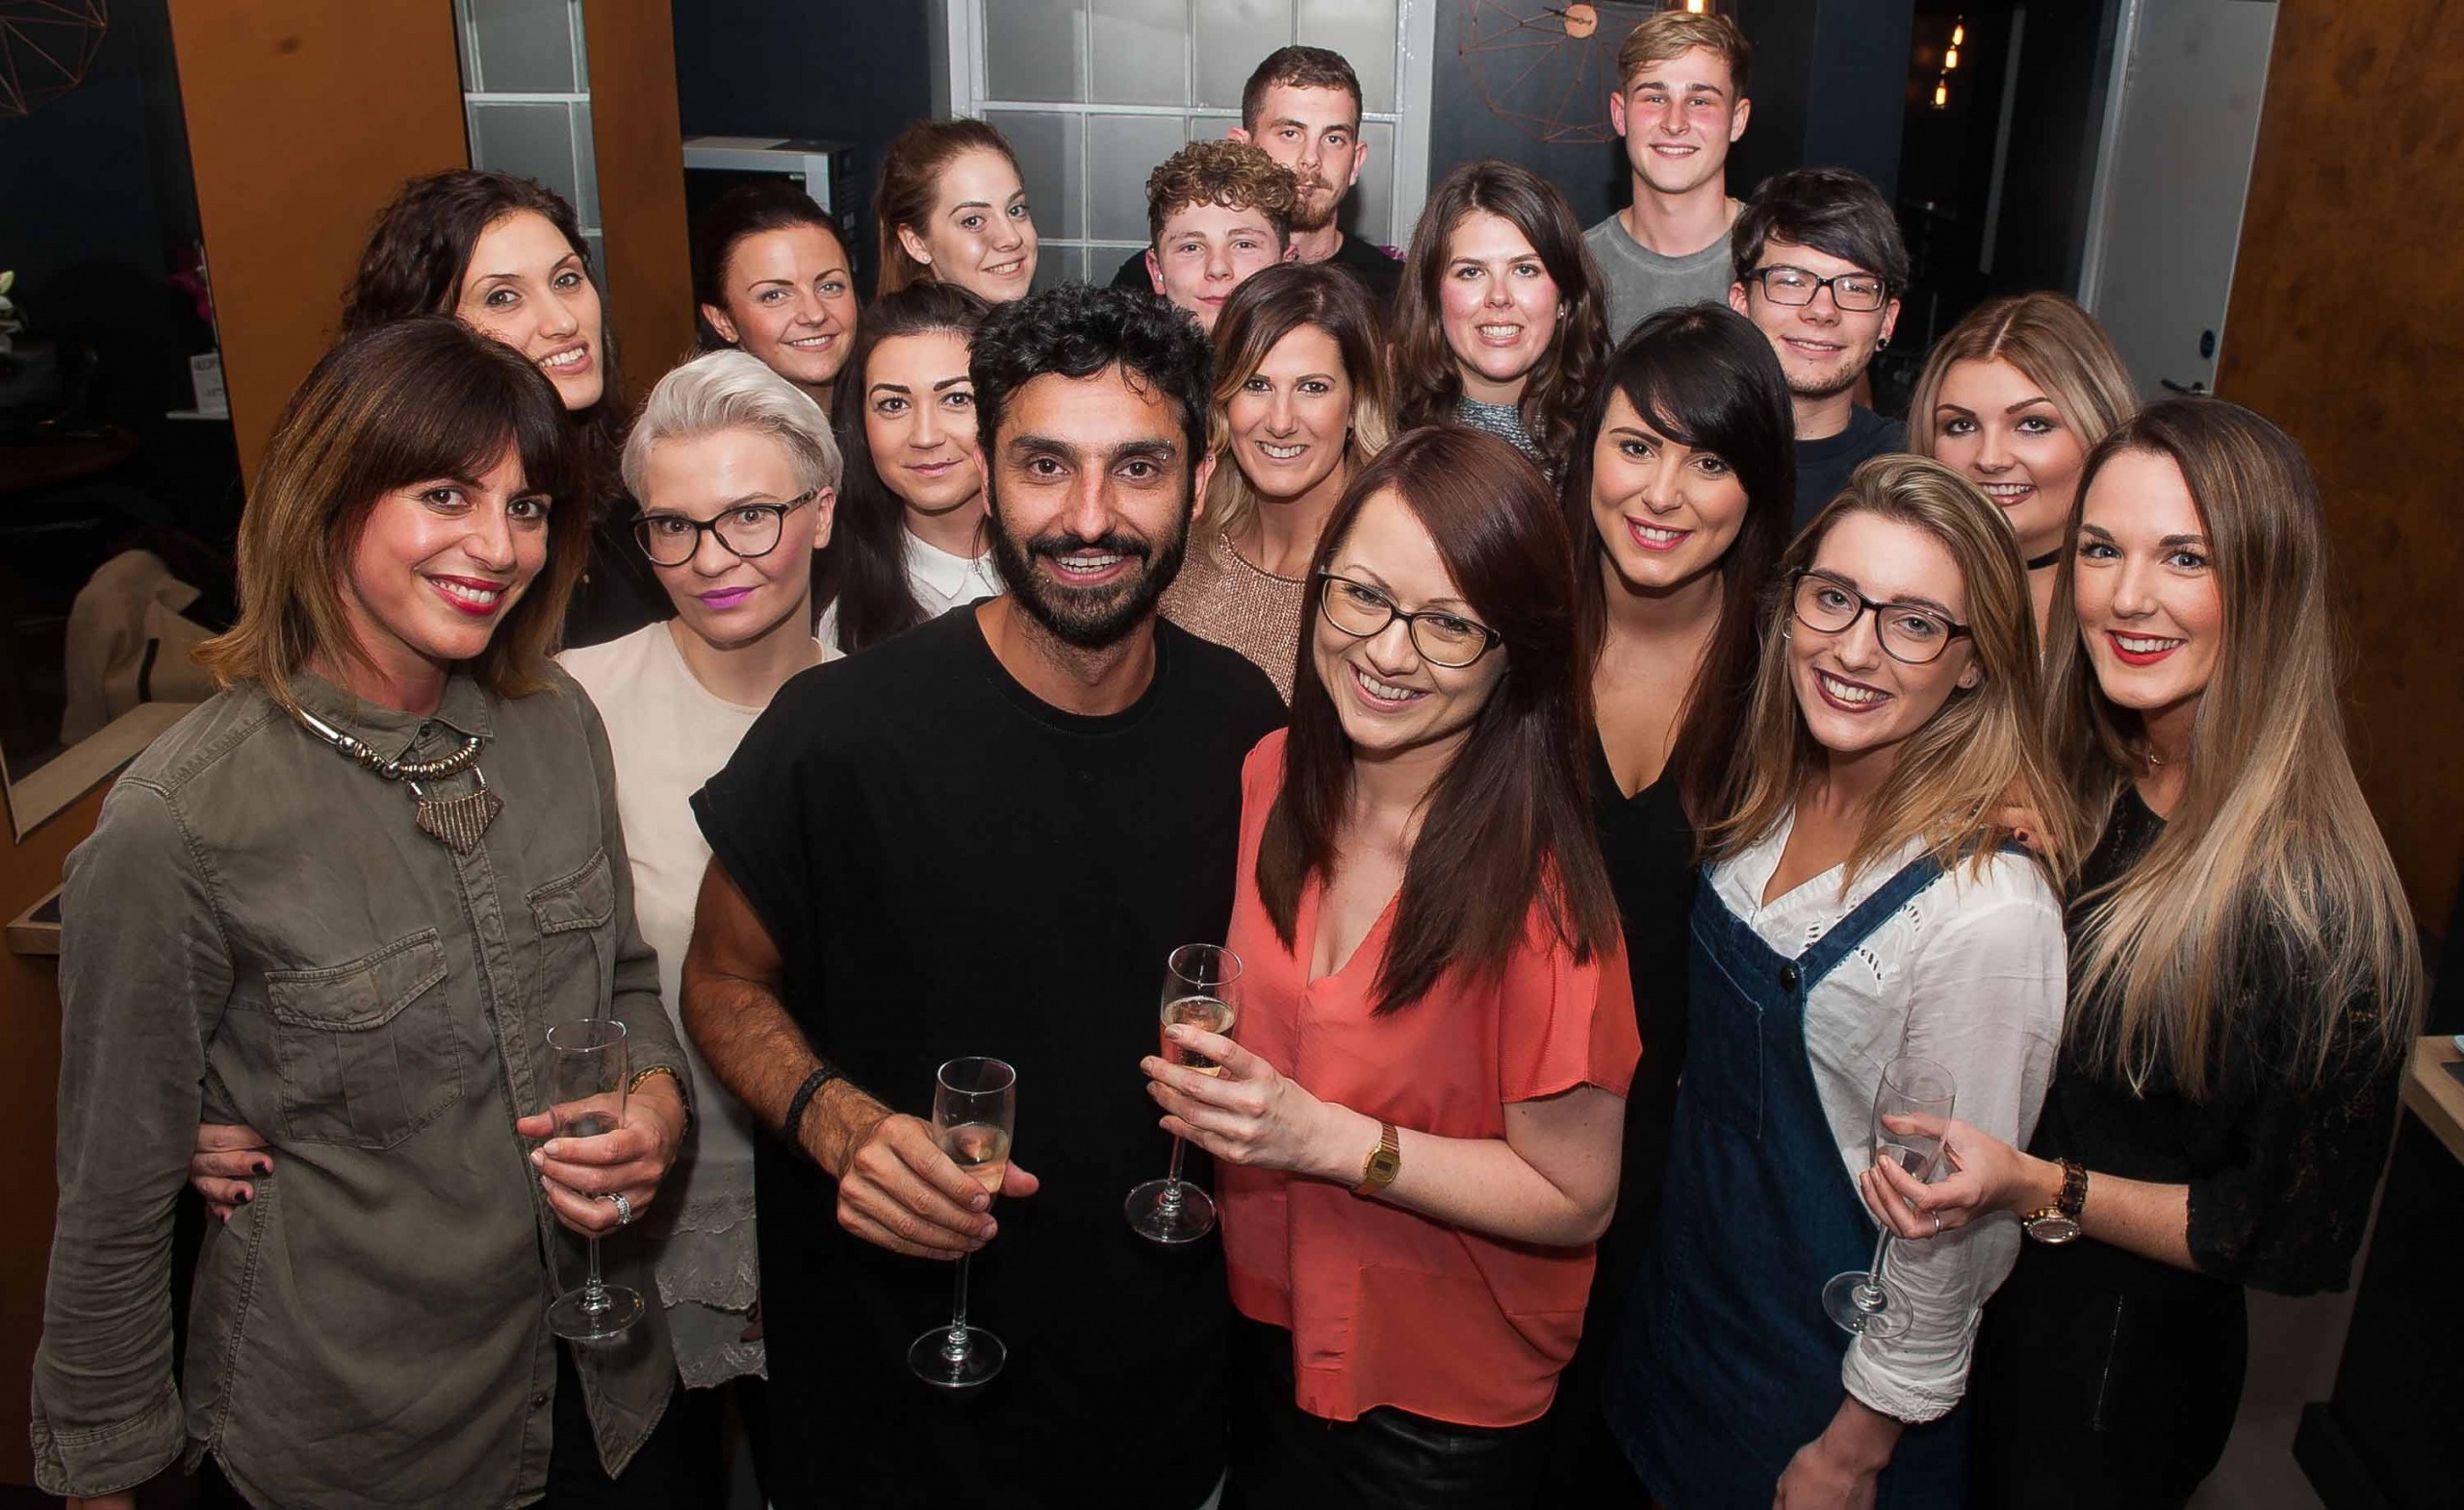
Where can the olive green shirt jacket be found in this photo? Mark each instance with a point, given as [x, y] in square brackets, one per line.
[257, 933]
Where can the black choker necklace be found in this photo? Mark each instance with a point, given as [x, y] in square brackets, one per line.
[2053, 557]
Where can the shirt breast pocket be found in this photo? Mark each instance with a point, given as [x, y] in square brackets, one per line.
[365, 1052]
[576, 974]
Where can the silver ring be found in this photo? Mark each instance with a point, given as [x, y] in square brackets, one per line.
[1937, 1221]
[625, 1210]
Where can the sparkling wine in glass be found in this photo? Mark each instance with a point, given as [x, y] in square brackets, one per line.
[1200, 981]
[975, 1110]
[586, 1065]
[1920, 1092]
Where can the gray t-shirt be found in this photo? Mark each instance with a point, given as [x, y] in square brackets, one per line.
[1641, 282]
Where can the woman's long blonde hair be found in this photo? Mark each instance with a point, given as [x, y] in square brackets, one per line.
[1981, 755]
[2271, 861]
[1267, 307]
[2054, 343]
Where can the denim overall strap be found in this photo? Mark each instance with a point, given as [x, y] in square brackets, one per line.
[1729, 1364]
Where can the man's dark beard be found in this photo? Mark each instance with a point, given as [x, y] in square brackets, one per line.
[1302, 219]
[1095, 618]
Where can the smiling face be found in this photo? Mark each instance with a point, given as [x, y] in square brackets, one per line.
[1498, 306]
[526, 286]
[725, 598]
[1207, 251]
[1390, 699]
[919, 422]
[791, 302]
[1857, 700]
[2151, 616]
[1678, 116]
[1999, 427]
[980, 234]
[1666, 513]
[1290, 422]
[439, 564]
[1316, 133]
[1091, 494]
[1823, 350]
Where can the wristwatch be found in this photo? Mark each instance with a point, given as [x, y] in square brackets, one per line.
[1384, 1163]
[2059, 1222]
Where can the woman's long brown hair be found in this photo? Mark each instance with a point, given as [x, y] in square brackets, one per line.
[1427, 379]
[1509, 824]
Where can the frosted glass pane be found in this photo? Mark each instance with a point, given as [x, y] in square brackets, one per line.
[526, 46]
[1121, 150]
[1363, 31]
[1050, 166]
[532, 140]
[1140, 51]
[1035, 49]
[586, 169]
[1366, 210]
[1056, 265]
[1233, 37]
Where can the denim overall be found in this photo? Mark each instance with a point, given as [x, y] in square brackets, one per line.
[1729, 1364]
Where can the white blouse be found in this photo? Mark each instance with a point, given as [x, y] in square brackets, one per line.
[1970, 973]
[940, 581]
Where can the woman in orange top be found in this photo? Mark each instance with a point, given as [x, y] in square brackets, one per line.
[1418, 1131]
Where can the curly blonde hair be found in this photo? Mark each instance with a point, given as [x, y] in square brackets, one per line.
[1230, 173]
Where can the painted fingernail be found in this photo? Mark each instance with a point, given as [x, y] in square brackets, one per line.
[246, 1196]
[265, 1167]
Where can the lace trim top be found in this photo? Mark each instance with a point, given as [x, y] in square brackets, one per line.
[2282, 1166]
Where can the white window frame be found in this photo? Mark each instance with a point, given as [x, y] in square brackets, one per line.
[959, 89]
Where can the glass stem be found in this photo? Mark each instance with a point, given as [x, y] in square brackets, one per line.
[594, 1292]
[954, 1348]
[1172, 1180]
[1873, 1284]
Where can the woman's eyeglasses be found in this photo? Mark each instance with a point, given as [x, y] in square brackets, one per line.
[747, 530]
[1443, 639]
[1912, 634]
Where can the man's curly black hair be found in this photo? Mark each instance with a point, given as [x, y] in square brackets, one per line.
[1077, 330]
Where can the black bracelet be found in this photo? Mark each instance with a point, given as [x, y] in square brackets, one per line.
[803, 1098]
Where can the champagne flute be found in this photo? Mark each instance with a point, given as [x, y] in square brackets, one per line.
[586, 1064]
[975, 1108]
[1198, 992]
[1912, 1089]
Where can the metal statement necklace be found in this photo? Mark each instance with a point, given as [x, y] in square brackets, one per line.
[455, 822]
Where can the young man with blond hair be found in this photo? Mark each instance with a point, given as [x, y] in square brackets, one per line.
[1218, 212]
[1680, 102]
[1302, 107]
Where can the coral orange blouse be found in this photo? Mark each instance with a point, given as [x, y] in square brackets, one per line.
[1385, 1306]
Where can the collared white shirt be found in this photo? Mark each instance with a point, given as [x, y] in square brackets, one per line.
[940, 581]
[1968, 973]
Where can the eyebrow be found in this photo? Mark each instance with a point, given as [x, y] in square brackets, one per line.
[2107, 536]
[1905, 600]
[1297, 121]
[1126, 451]
[1691, 86]
[1369, 577]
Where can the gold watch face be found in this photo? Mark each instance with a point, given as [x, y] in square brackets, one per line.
[1384, 1165]
[2051, 1226]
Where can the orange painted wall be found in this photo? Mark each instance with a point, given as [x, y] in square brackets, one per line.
[640, 149]
[304, 117]
[29, 1087]
[2342, 330]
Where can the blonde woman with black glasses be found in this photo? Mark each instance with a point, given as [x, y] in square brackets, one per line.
[2245, 979]
[1860, 903]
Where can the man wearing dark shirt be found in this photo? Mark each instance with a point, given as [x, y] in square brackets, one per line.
[1821, 267]
[983, 836]
[1302, 107]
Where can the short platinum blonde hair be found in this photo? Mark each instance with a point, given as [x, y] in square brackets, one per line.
[732, 390]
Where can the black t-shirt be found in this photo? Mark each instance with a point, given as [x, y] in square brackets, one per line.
[1380, 274]
[949, 866]
[1823, 466]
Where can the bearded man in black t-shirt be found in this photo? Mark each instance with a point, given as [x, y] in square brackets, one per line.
[983, 836]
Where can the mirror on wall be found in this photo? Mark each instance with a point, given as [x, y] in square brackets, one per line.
[119, 481]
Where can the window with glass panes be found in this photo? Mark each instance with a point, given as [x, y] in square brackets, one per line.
[1094, 94]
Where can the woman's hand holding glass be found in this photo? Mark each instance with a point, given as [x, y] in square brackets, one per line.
[1985, 1175]
[1252, 1114]
[580, 1174]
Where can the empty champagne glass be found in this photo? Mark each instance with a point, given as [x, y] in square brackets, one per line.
[975, 1110]
[1920, 1090]
[1199, 982]
[586, 1065]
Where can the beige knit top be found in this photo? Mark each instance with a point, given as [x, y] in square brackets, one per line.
[1221, 597]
